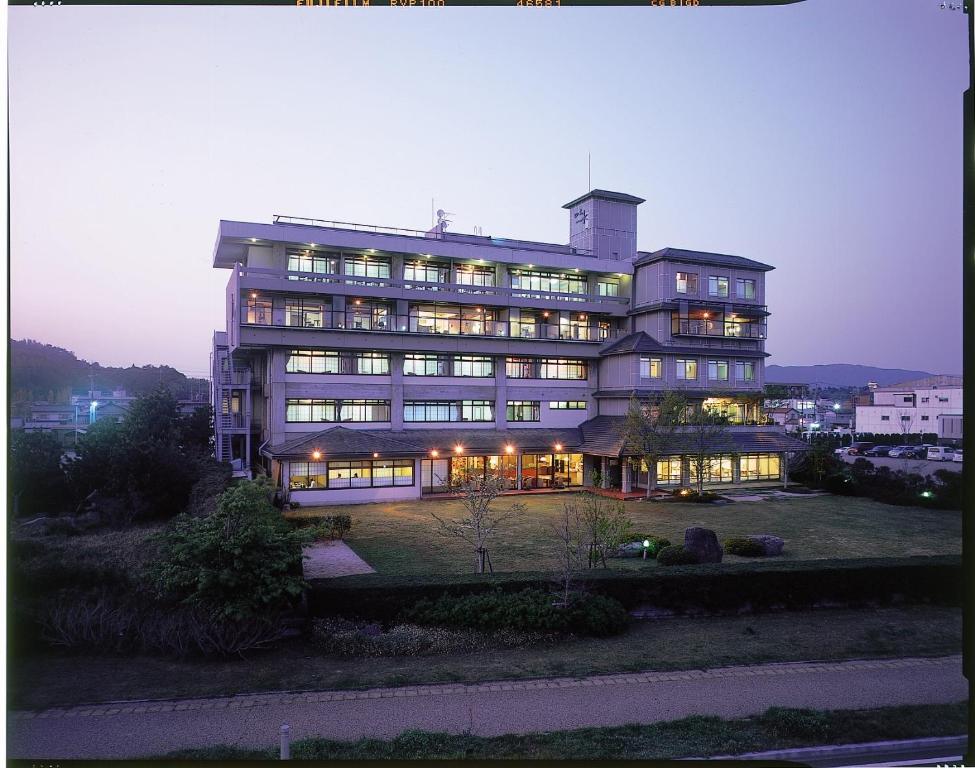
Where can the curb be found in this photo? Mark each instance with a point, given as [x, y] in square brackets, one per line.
[948, 743]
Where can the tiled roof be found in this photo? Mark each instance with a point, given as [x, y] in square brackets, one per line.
[700, 257]
[342, 441]
[641, 341]
[603, 435]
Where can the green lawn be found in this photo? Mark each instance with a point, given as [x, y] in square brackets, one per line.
[50, 678]
[777, 728]
[401, 538]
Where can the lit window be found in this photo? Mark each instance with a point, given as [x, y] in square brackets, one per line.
[651, 367]
[686, 369]
[718, 286]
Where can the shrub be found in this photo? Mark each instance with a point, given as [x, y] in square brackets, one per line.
[717, 587]
[743, 547]
[324, 526]
[102, 622]
[676, 555]
[656, 544]
[531, 610]
[237, 563]
[346, 638]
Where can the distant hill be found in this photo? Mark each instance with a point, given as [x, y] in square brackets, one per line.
[45, 372]
[839, 374]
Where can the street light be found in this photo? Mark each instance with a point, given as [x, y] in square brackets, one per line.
[91, 411]
[646, 546]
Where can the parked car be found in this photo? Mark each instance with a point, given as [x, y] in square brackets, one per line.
[845, 450]
[858, 449]
[903, 452]
[957, 456]
[940, 453]
[879, 450]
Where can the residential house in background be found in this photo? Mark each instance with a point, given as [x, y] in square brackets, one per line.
[365, 363]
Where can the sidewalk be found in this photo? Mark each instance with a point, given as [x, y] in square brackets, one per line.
[138, 729]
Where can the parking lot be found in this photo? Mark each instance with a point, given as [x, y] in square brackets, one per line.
[916, 466]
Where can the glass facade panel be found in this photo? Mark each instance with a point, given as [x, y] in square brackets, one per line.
[524, 410]
[546, 368]
[308, 410]
[760, 466]
[687, 282]
[686, 369]
[556, 282]
[307, 475]
[744, 289]
[328, 361]
[651, 368]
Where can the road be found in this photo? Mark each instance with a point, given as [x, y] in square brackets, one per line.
[137, 729]
[917, 466]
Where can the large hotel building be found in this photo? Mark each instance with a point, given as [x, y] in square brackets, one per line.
[366, 363]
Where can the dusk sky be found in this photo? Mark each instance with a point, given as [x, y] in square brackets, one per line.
[824, 138]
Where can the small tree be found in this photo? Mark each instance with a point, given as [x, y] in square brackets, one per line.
[649, 430]
[569, 548]
[478, 493]
[707, 435]
[243, 561]
[604, 526]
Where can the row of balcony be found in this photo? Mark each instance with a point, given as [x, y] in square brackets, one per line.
[333, 278]
[682, 326]
[389, 323]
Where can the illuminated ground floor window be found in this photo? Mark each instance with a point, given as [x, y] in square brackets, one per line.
[538, 470]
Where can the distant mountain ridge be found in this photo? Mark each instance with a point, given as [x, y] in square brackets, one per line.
[45, 372]
[839, 374]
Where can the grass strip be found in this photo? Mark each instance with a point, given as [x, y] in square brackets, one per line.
[777, 728]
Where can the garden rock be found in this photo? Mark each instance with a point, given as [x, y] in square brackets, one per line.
[633, 549]
[771, 544]
[703, 544]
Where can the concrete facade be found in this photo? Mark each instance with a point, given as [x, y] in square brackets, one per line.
[403, 335]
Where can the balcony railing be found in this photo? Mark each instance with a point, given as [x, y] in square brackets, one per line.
[722, 328]
[233, 420]
[433, 234]
[513, 329]
[335, 278]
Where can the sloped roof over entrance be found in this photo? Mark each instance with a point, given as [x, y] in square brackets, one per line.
[603, 436]
[342, 441]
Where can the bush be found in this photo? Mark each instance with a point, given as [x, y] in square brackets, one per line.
[676, 555]
[238, 563]
[346, 638]
[743, 547]
[102, 622]
[531, 610]
[714, 587]
[656, 544]
[324, 527]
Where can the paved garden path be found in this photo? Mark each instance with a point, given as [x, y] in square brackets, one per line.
[326, 559]
[134, 729]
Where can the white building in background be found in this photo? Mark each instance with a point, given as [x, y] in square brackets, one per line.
[912, 407]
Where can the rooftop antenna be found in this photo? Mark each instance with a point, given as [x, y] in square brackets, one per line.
[442, 220]
[590, 171]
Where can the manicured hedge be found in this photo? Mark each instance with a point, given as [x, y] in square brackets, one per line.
[713, 587]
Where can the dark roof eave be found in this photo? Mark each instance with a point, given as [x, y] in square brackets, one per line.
[686, 256]
[604, 194]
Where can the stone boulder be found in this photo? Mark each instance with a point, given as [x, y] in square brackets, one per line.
[633, 549]
[771, 544]
[703, 544]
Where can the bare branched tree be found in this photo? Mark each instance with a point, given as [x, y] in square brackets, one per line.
[649, 430]
[569, 548]
[604, 526]
[707, 435]
[478, 493]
